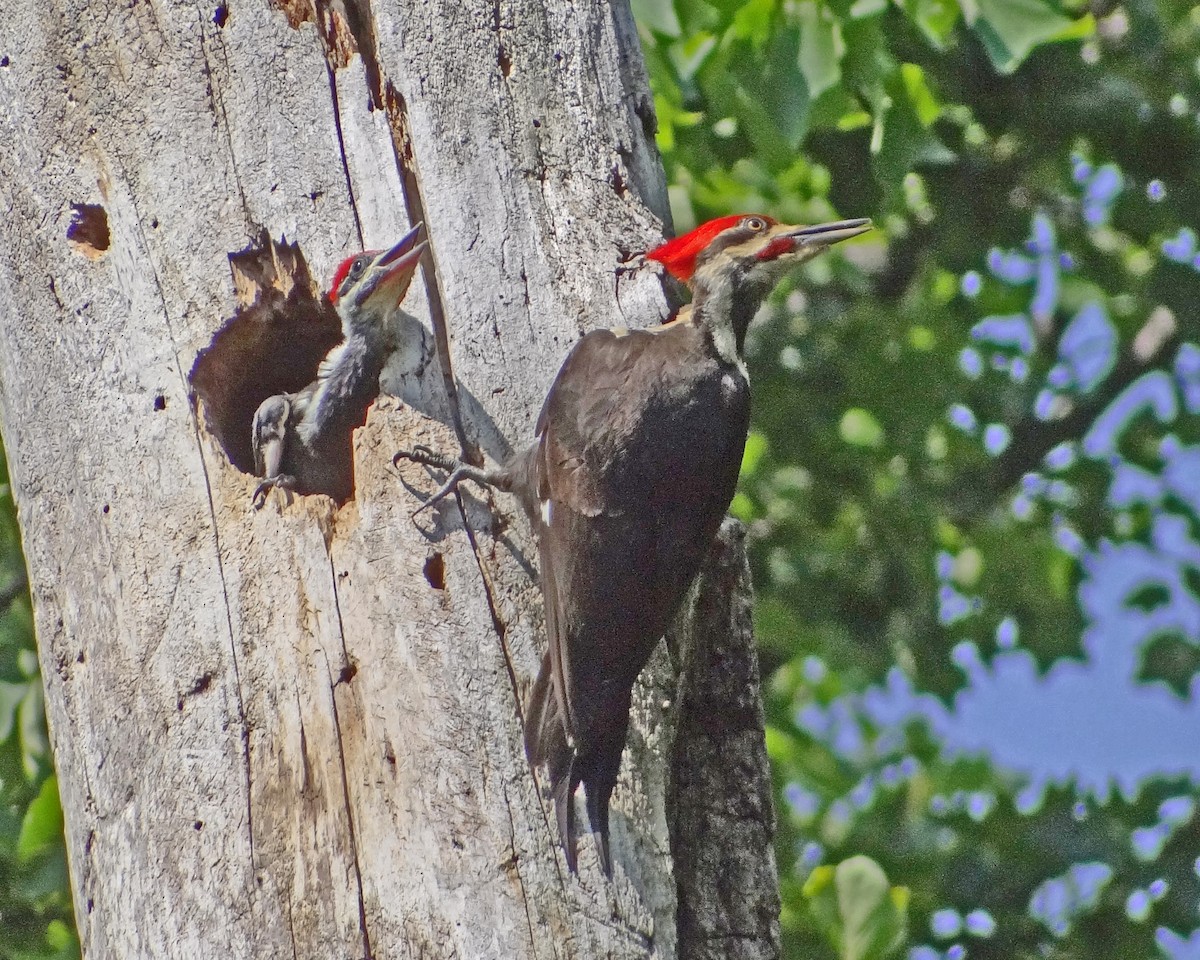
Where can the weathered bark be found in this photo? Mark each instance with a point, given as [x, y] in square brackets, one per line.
[719, 803]
[297, 732]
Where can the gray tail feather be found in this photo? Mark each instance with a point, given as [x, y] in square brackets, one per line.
[541, 719]
[546, 744]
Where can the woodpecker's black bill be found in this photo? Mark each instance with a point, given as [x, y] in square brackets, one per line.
[401, 248]
[827, 234]
[393, 269]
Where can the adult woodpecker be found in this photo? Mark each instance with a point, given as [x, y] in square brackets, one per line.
[302, 440]
[633, 465]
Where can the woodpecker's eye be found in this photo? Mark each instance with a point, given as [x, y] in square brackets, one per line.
[357, 266]
[755, 223]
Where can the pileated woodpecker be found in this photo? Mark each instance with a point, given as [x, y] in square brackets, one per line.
[302, 440]
[634, 463]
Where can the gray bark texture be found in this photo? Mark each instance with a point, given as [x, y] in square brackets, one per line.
[296, 732]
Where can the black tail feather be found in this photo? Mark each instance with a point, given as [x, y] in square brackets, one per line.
[598, 796]
[564, 811]
[546, 744]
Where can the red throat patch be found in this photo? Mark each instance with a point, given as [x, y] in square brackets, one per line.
[679, 255]
[777, 248]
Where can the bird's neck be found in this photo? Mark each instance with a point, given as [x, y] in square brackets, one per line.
[347, 382]
[724, 312]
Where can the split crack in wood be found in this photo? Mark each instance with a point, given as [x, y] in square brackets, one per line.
[337, 729]
[194, 419]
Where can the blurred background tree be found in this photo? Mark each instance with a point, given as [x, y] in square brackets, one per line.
[36, 919]
[973, 485]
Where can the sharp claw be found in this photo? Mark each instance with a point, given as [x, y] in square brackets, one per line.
[457, 472]
[442, 492]
[284, 482]
[259, 500]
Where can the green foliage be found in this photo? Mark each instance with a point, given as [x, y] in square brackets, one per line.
[740, 87]
[860, 914]
[36, 920]
[956, 125]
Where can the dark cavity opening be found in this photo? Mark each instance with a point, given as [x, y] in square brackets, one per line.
[273, 343]
[88, 230]
[435, 571]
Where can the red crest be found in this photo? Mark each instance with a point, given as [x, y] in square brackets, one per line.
[339, 275]
[679, 255]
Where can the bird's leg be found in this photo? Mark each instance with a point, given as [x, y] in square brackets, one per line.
[282, 481]
[497, 477]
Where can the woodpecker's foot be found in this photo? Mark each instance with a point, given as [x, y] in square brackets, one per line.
[457, 469]
[428, 457]
[281, 482]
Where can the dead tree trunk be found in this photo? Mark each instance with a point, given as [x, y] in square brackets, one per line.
[297, 731]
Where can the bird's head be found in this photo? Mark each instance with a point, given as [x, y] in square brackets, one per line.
[368, 286]
[732, 263]
[751, 250]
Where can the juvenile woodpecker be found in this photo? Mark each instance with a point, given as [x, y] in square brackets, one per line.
[633, 465]
[302, 440]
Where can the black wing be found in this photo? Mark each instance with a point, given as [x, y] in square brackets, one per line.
[639, 444]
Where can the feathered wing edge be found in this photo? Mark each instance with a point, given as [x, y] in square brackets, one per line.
[546, 744]
[568, 496]
[550, 742]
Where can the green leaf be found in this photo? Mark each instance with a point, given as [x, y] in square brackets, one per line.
[860, 429]
[780, 747]
[689, 55]
[901, 141]
[861, 9]
[11, 695]
[921, 338]
[784, 90]
[764, 93]
[854, 120]
[742, 507]
[59, 936]
[821, 47]
[31, 721]
[754, 20]
[1011, 29]
[756, 447]
[657, 15]
[859, 912]
[43, 822]
[935, 18]
[924, 103]
[833, 105]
